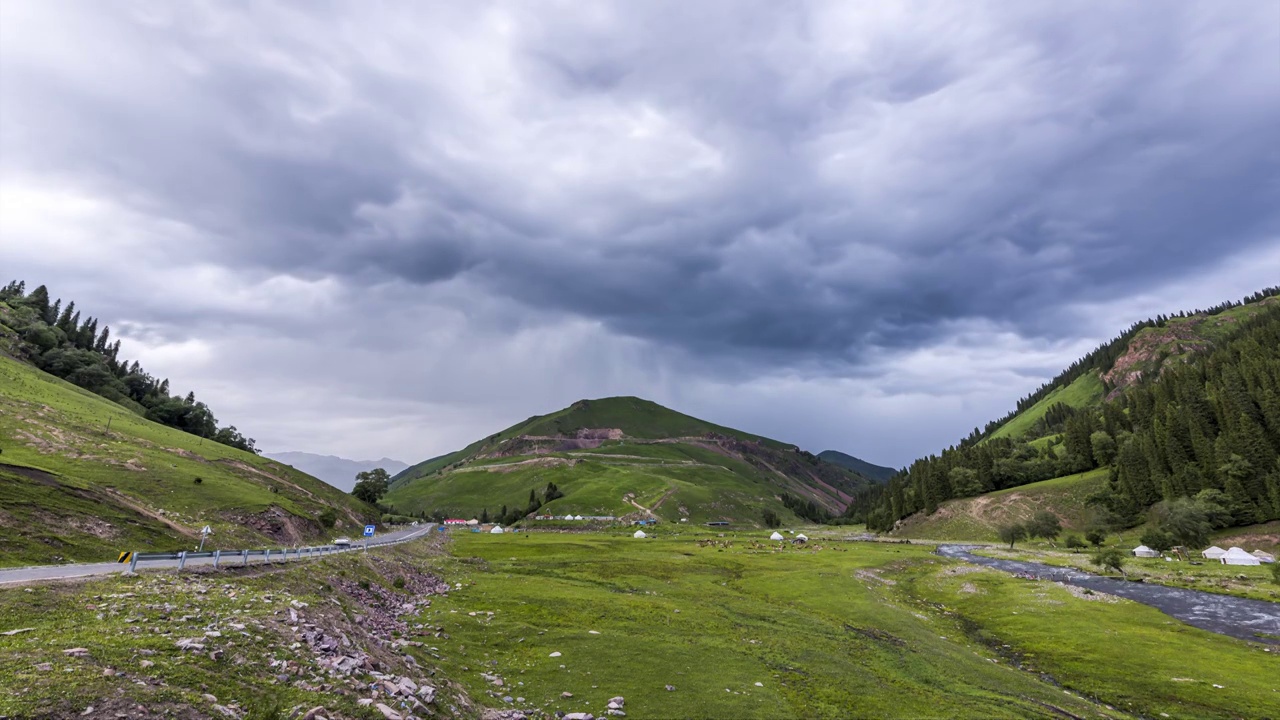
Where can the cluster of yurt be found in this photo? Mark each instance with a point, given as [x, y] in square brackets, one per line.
[1238, 556]
[639, 535]
[776, 535]
[1144, 551]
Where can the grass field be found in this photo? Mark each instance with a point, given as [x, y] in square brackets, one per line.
[977, 518]
[135, 483]
[848, 630]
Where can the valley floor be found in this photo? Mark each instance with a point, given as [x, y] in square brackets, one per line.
[688, 625]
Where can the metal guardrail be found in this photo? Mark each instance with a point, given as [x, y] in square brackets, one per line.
[268, 554]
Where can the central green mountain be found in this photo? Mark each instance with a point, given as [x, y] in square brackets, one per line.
[626, 457]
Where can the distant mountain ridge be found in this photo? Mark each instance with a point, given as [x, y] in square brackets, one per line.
[337, 471]
[624, 456]
[879, 473]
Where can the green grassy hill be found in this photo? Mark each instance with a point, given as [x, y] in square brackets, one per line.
[625, 457]
[868, 470]
[70, 489]
[1214, 369]
[977, 518]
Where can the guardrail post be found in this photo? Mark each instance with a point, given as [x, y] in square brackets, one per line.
[133, 563]
[217, 555]
[182, 559]
[244, 557]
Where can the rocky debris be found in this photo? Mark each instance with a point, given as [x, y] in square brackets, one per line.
[579, 716]
[554, 654]
[671, 688]
[76, 652]
[387, 712]
[566, 695]
[191, 644]
[45, 667]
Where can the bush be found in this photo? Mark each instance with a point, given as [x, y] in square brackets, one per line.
[1275, 573]
[1110, 559]
[771, 519]
[198, 480]
[1074, 542]
[364, 584]
[1095, 537]
[328, 518]
[398, 584]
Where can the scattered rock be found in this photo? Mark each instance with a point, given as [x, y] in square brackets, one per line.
[619, 701]
[145, 664]
[579, 716]
[209, 698]
[76, 652]
[313, 712]
[566, 695]
[555, 654]
[44, 667]
[19, 631]
[759, 684]
[387, 712]
[671, 688]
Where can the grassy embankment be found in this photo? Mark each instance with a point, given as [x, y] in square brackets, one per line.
[253, 659]
[977, 518]
[853, 629]
[1209, 575]
[72, 490]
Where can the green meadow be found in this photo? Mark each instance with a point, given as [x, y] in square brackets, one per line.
[744, 628]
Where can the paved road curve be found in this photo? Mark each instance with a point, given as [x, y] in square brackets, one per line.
[35, 573]
[1238, 617]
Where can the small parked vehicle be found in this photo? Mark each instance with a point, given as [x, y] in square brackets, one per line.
[342, 542]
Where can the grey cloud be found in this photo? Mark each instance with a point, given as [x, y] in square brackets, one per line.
[749, 189]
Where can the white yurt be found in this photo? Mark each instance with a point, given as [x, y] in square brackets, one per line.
[473, 521]
[1265, 557]
[1144, 551]
[1213, 553]
[776, 535]
[639, 534]
[801, 538]
[497, 530]
[1237, 556]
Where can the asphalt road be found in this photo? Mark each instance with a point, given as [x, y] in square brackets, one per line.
[1256, 620]
[37, 573]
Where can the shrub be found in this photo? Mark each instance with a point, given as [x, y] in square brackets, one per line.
[398, 584]
[1275, 573]
[771, 519]
[328, 518]
[364, 584]
[198, 480]
[1110, 559]
[1095, 537]
[1074, 542]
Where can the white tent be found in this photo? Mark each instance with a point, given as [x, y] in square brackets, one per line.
[801, 538]
[473, 521]
[1237, 556]
[496, 530]
[639, 534]
[1264, 556]
[776, 536]
[1144, 551]
[1213, 553]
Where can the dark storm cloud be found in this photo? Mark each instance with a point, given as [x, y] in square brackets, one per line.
[771, 187]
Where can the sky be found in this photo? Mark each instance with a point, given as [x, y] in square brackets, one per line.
[376, 229]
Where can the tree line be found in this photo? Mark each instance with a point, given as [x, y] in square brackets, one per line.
[1206, 431]
[59, 341]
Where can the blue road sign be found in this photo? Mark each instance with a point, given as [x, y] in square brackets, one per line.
[368, 530]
